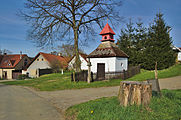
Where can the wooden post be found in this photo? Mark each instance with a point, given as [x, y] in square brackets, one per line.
[74, 76]
[132, 92]
[89, 71]
[157, 82]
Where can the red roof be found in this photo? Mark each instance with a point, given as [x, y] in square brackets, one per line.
[107, 29]
[51, 58]
[10, 61]
[84, 56]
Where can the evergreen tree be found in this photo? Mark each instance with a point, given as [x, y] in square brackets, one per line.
[126, 40]
[139, 43]
[158, 46]
[131, 41]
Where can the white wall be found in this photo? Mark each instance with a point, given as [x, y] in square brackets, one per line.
[121, 64]
[110, 64]
[41, 64]
[83, 63]
[179, 56]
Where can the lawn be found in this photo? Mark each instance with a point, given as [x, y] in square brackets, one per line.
[58, 81]
[166, 108]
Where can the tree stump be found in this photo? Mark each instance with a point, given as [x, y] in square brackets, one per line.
[132, 92]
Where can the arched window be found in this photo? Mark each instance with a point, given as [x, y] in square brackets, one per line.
[105, 37]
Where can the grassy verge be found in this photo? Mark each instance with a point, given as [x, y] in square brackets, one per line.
[60, 82]
[166, 73]
[166, 108]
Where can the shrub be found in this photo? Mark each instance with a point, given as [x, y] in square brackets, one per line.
[22, 77]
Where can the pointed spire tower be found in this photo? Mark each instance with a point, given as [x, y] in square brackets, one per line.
[107, 48]
[107, 34]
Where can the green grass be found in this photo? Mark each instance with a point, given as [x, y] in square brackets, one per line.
[166, 73]
[166, 108]
[58, 81]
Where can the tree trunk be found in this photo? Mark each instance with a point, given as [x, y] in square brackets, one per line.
[77, 59]
[132, 92]
[157, 82]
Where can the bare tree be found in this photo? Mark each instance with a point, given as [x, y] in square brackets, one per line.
[67, 50]
[49, 18]
[56, 66]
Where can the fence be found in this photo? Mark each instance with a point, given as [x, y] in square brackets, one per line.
[81, 76]
[124, 74]
[130, 72]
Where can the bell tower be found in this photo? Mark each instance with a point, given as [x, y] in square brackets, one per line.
[107, 34]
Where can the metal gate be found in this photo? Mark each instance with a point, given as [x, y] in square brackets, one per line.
[100, 71]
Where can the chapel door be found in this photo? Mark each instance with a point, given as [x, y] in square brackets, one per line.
[100, 71]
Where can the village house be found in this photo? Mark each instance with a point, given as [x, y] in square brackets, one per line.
[83, 59]
[107, 58]
[11, 66]
[179, 55]
[43, 62]
[178, 51]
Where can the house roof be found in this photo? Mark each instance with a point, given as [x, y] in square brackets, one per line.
[107, 49]
[51, 58]
[107, 29]
[10, 61]
[177, 49]
[84, 56]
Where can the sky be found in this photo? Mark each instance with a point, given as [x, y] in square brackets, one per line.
[13, 29]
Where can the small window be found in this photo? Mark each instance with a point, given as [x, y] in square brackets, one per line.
[42, 59]
[105, 37]
[38, 59]
[25, 62]
[121, 64]
[9, 64]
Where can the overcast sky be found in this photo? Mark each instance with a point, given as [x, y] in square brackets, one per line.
[13, 30]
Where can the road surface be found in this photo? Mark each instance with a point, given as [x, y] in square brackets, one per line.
[18, 103]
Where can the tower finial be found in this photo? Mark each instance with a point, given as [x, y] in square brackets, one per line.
[107, 20]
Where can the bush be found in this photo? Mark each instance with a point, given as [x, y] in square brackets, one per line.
[22, 77]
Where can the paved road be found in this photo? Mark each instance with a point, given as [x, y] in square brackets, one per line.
[170, 83]
[18, 103]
